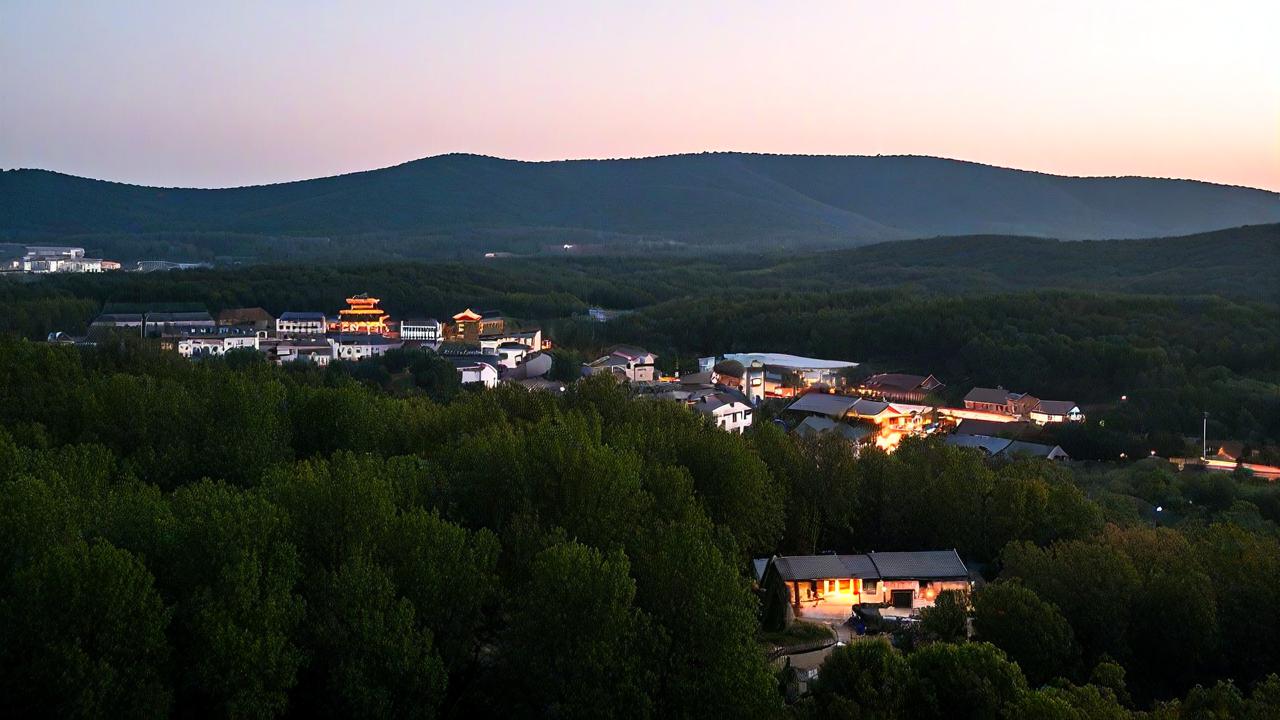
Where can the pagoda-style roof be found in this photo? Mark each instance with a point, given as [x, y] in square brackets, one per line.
[466, 315]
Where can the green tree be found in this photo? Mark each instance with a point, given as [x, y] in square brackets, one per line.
[947, 620]
[368, 657]
[1029, 630]
[706, 657]
[229, 561]
[869, 674]
[84, 636]
[1087, 581]
[973, 680]
[574, 640]
[450, 576]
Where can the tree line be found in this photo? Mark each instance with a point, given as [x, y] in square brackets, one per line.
[233, 538]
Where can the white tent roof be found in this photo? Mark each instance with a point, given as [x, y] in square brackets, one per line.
[790, 362]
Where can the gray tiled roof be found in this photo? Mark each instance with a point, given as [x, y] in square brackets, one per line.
[1056, 407]
[302, 316]
[834, 406]
[988, 395]
[1018, 447]
[920, 565]
[820, 567]
[991, 445]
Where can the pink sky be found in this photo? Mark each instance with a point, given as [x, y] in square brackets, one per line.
[230, 93]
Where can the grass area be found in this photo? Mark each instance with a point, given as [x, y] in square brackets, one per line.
[798, 634]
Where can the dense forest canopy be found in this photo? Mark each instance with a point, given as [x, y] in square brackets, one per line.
[231, 538]
[442, 205]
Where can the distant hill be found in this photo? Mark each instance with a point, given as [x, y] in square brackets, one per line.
[706, 199]
[1237, 262]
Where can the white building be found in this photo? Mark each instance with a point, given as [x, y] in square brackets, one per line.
[529, 338]
[211, 345]
[475, 369]
[57, 258]
[301, 323]
[782, 375]
[626, 362]
[727, 412]
[427, 329]
[169, 323]
[318, 352]
[360, 346]
[1056, 411]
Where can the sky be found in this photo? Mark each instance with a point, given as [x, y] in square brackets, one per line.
[215, 94]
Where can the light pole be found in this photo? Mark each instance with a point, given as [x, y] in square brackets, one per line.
[1204, 437]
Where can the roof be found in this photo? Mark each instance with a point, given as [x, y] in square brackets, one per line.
[791, 362]
[815, 424]
[419, 321]
[491, 314]
[822, 567]
[118, 318]
[630, 352]
[472, 360]
[998, 396]
[758, 566]
[610, 361]
[302, 316]
[468, 314]
[1039, 450]
[239, 315]
[919, 565]
[179, 317]
[701, 378]
[872, 408]
[895, 381]
[1055, 407]
[971, 426]
[836, 406]
[991, 445]
[715, 401]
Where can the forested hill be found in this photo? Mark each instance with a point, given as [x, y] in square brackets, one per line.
[712, 198]
[1239, 262]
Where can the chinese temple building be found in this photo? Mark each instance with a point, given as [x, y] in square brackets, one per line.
[362, 315]
[466, 326]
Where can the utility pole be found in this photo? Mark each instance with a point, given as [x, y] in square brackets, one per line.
[1204, 438]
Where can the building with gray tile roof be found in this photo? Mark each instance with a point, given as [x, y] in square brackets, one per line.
[919, 565]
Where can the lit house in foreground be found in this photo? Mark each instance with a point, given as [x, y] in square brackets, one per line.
[829, 586]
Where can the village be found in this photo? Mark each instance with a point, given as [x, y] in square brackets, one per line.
[811, 395]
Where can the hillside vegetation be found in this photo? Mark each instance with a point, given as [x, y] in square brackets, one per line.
[452, 203]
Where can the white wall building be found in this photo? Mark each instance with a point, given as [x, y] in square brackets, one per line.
[361, 346]
[211, 345]
[727, 412]
[301, 323]
[629, 363]
[429, 329]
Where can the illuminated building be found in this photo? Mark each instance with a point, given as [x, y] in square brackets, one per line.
[466, 326]
[900, 583]
[362, 315]
[469, 326]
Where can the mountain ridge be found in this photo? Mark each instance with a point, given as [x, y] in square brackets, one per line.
[697, 199]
